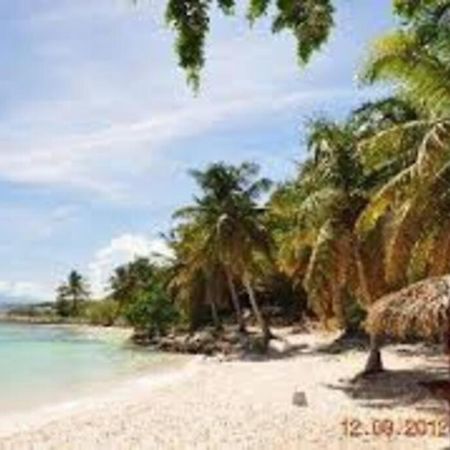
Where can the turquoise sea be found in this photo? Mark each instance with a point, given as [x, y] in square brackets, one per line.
[42, 365]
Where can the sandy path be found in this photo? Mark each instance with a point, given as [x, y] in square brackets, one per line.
[246, 405]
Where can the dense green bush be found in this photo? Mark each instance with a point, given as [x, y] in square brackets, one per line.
[152, 311]
[102, 312]
[63, 307]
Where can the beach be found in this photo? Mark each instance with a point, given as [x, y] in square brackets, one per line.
[214, 404]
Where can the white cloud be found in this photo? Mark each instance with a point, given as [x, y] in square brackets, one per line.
[121, 250]
[87, 160]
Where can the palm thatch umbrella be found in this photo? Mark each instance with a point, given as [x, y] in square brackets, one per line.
[421, 310]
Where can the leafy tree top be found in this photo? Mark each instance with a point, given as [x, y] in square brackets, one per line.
[310, 21]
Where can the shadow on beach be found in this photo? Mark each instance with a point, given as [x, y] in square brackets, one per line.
[397, 388]
[281, 348]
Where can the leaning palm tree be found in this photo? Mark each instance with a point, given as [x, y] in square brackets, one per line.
[413, 207]
[195, 279]
[227, 232]
[415, 202]
[318, 246]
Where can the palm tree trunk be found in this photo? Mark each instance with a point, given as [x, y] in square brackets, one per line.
[257, 311]
[235, 300]
[374, 363]
[214, 314]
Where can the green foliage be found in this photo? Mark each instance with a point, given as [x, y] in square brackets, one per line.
[310, 21]
[221, 239]
[152, 311]
[63, 307]
[72, 295]
[102, 312]
[368, 211]
[353, 314]
[130, 279]
[414, 203]
[317, 245]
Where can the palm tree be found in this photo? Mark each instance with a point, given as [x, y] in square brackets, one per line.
[71, 295]
[319, 245]
[416, 200]
[226, 230]
[195, 279]
[415, 204]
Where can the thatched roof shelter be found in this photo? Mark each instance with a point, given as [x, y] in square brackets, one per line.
[421, 310]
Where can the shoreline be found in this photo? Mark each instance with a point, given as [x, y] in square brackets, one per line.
[96, 331]
[245, 405]
[116, 391]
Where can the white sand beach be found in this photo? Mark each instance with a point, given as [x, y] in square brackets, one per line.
[247, 405]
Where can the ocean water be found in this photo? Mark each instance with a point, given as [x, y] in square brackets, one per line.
[42, 365]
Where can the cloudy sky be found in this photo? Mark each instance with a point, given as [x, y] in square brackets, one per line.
[98, 128]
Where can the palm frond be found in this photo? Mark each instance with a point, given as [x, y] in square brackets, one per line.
[391, 195]
[401, 58]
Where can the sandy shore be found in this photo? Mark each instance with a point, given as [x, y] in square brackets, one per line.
[248, 405]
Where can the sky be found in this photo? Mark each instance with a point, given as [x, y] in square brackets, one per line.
[98, 127]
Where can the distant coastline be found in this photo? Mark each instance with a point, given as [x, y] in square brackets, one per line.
[11, 318]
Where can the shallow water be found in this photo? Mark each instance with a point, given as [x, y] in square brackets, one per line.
[40, 365]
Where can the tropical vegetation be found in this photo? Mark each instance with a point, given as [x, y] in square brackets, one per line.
[368, 212]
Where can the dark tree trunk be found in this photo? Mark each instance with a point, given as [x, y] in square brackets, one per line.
[374, 363]
[235, 300]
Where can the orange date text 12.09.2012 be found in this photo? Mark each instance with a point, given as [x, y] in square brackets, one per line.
[385, 427]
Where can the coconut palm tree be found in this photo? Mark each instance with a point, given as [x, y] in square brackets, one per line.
[71, 295]
[195, 279]
[415, 204]
[417, 198]
[319, 245]
[226, 233]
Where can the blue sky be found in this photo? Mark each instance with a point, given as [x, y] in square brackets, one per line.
[98, 128]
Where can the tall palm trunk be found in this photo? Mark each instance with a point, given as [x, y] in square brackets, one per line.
[374, 362]
[235, 300]
[256, 310]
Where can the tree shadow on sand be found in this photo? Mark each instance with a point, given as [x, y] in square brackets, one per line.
[345, 343]
[390, 389]
[281, 348]
[422, 350]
